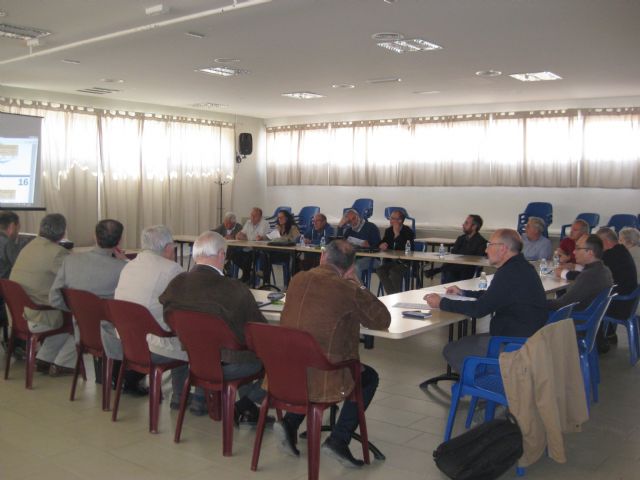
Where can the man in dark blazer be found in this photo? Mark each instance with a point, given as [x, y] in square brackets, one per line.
[206, 289]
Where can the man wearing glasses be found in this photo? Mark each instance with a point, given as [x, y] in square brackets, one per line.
[515, 297]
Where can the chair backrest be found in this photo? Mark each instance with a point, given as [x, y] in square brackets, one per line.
[279, 209]
[593, 219]
[286, 354]
[621, 220]
[592, 317]
[419, 247]
[305, 217]
[561, 314]
[364, 206]
[17, 299]
[543, 210]
[133, 322]
[389, 210]
[203, 336]
[633, 298]
[88, 309]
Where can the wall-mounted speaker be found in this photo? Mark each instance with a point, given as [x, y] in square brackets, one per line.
[245, 144]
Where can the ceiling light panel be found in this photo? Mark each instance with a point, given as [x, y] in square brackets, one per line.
[302, 95]
[377, 81]
[409, 45]
[98, 90]
[536, 77]
[223, 71]
[22, 33]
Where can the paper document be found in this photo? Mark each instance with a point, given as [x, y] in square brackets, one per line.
[358, 242]
[414, 306]
[459, 297]
[273, 235]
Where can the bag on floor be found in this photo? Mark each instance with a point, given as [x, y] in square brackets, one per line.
[482, 453]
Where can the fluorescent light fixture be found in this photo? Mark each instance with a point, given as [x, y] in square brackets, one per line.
[302, 95]
[159, 9]
[376, 81]
[226, 60]
[427, 92]
[223, 71]
[21, 33]
[209, 105]
[98, 90]
[112, 80]
[71, 61]
[387, 36]
[488, 73]
[536, 77]
[409, 45]
[344, 86]
[197, 35]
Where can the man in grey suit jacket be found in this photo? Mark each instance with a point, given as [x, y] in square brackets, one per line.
[229, 228]
[206, 289]
[35, 269]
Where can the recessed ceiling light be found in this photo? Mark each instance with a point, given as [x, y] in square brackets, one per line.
[409, 45]
[302, 95]
[343, 85]
[536, 77]
[98, 90]
[488, 73]
[71, 61]
[387, 36]
[22, 33]
[375, 81]
[209, 105]
[159, 9]
[197, 35]
[226, 60]
[390, 2]
[223, 71]
[112, 80]
[427, 92]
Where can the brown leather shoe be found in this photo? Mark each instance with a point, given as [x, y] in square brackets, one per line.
[58, 371]
[42, 366]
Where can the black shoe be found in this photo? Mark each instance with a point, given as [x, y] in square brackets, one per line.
[250, 417]
[287, 438]
[612, 338]
[602, 346]
[340, 451]
[135, 390]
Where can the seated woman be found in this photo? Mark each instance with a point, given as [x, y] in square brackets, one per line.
[288, 233]
[391, 272]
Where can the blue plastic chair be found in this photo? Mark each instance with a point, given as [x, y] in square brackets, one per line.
[305, 217]
[587, 324]
[593, 219]
[389, 210]
[561, 314]
[621, 220]
[364, 206]
[631, 324]
[273, 219]
[542, 210]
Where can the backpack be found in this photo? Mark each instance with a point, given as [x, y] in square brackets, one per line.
[482, 453]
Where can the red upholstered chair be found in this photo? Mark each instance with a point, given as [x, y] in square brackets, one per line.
[88, 310]
[203, 336]
[287, 354]
[133, 322]
[17, 299]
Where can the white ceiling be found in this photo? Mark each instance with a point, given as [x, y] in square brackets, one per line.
[294, 45]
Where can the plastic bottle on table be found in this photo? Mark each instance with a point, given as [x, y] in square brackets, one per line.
[483, 283]
[407, 248]
[441, 251]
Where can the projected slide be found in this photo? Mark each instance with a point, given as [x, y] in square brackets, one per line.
[18, 166]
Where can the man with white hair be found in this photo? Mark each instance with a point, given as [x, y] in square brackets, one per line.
[142, 281]
[229, 227]
[206, 289]
[536, 245]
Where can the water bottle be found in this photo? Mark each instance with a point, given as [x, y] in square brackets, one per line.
[407, 248]
[302, 244]
[556, 260]
[323, 242]
[483, 283]
[543, 266]
[441, 251]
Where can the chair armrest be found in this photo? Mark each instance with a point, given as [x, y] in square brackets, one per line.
[497, 342]
[471, 364]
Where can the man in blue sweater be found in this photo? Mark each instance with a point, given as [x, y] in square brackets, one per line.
[360, 233]
[515, 297]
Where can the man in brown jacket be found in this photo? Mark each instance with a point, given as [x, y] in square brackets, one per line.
[330, 303]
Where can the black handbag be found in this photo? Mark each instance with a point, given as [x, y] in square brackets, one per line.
[482, 453]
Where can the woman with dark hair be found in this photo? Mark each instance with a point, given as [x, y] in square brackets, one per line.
[288, 233]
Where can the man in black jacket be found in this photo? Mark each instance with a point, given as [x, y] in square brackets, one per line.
[469, 243]
[515, 297]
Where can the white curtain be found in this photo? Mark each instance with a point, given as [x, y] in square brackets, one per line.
[545, 149]
[136, 168]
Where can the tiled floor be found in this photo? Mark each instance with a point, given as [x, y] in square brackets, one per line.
[43, 435]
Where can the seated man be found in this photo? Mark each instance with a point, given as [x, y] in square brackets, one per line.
[568, 244]
[142, 280]
[330, 303]
[35, 269]
[536, 245]
[469, 243]
[9, 249]
[392, 272]
[256, 228]
[315, 232]
[360, 233]
[96, 271]
[206, 289]
[229, 228]
[515, 297]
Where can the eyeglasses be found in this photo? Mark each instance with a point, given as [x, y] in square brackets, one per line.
[494, 243]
